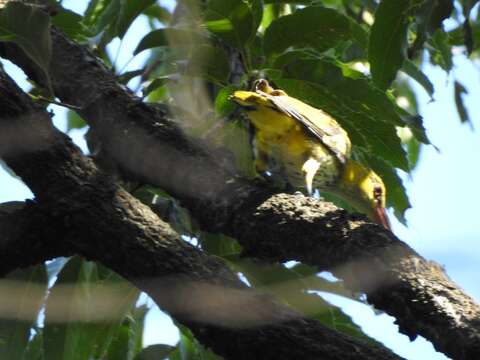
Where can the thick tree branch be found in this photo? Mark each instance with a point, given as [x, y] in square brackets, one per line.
[24, 238]
[142, 141]
[83, 211]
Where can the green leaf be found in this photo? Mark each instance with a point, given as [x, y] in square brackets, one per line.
[255, 53]
[188, 348]
[310, 279]
[29, 28]
[460, 90]
[56, 342]
[467, 27]
[154, 85]
[160, 94]
[75, 326]
[219, 245]
[223, 105]
[167, 36]
[187, 344]
[7, 37]
[438, 11]
[314, 26]
[403, 88]
[210, 62]
[367, 114]
[119, 348]
[294, 287]
[429, 17]
[74, 121]
[102, 15]
[27, 288]
[234, 21]
[415, 123]
[359, 34]
[257, 8]
[270, 13]
[415, 73]
[93, 12]
[441, 50]
[413, 152]
[457, 36]
[388, 41]
[115, 17]
[127, 341]
[34, 350]
[158, 12]
[128, 12]
[238, 139]
[138, 315]
[155, 352]
[129, 75]
[71, 24]
[169, 208]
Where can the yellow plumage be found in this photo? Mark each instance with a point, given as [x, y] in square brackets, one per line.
[307, 147]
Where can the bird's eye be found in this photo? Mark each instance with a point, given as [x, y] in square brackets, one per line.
[260, 84]
[377, 194]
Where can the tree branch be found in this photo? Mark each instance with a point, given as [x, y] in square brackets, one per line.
[91, 215]
[143, 142]
[25, 239]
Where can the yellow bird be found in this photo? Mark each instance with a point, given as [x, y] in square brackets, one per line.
[306, 147]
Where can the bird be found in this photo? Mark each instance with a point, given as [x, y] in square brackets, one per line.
[307, 148]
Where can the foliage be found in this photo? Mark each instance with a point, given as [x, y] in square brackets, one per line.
[354, 59]
[60, 312]
[29, 29]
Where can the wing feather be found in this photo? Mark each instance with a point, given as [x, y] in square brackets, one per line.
[324, 127]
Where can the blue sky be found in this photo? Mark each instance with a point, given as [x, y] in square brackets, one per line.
[442, 224]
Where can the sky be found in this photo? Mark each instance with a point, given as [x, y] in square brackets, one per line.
[443, 190]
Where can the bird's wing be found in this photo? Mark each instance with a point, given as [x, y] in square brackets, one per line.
[317, 122]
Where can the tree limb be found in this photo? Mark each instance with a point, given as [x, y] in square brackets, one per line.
[25, 240]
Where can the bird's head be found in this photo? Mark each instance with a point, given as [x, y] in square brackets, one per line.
[258, 96]
[364, 190]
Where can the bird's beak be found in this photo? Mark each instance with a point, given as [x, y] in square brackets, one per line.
[244, 100]
[241, 98]
[381, 217]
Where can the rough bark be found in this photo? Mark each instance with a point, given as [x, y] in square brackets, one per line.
[24, 237]
[144, 143]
